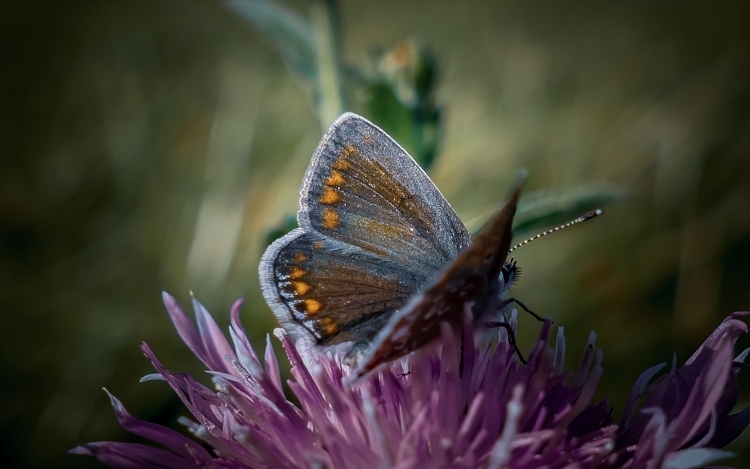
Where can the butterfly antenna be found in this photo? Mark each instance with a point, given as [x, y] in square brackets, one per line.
[581, 219]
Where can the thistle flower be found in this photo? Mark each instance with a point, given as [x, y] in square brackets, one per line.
[454, 404]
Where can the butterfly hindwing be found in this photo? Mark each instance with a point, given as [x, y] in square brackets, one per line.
[336, 292]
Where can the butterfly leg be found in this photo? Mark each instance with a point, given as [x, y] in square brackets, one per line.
[523, 307]
[511, 337]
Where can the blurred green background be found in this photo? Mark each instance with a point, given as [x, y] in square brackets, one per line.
[151, 145]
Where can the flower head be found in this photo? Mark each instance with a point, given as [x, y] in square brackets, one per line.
[455, 404]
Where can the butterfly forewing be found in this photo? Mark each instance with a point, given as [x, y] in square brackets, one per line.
[364, 190]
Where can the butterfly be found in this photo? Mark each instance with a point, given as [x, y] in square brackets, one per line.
[380, 259]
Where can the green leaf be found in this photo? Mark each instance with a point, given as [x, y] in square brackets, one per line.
[418, 134]
[287, 224]
[543, 209]
[385, 109]
[288, 32]
[399, 95]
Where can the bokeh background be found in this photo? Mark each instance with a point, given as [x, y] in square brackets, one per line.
[150, 145]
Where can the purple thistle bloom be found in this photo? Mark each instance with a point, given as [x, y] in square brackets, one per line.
[453, 404]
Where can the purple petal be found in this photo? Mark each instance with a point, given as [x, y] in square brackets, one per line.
[272, 364]
[215, 345]
[501, 451]
[450, 404]
[135, 456]
[730, 329]
[245, 353]
[730, 427]
[178, 443]
[695, 457]
[185, 327]
[638, 389]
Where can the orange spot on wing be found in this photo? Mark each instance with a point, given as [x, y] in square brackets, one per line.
[342, 163]
[296, 273]
[300, 257]
[312, 307]
[329, 325]
[331, 218]
[318, 245]
[330, 196]
[351, 150]
[301, 288]
[335, 179]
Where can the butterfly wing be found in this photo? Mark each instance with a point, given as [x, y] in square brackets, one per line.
[364, 190]
[373, 230]
[473, 277]
[334, 292]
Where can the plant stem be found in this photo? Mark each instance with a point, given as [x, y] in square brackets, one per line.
[325, 17]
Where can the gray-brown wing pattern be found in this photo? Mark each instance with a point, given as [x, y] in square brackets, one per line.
[373, 231]
[473, 277]
[364, 190]
[336, 293]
